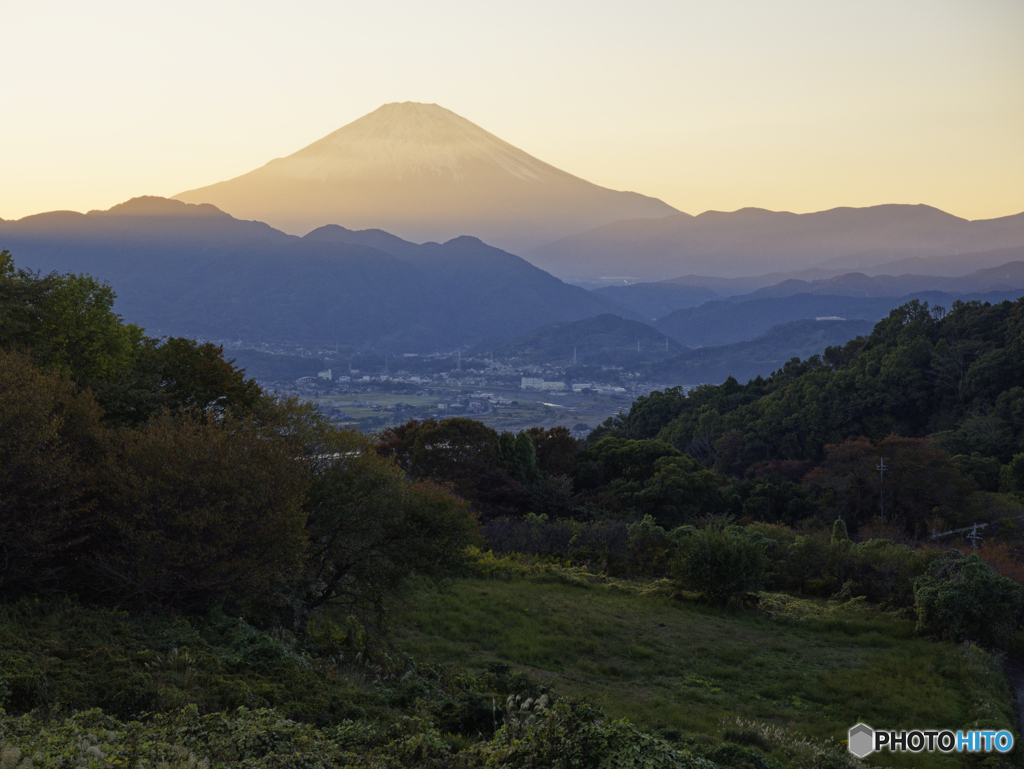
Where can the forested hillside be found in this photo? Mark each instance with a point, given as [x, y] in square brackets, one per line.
[195, 573]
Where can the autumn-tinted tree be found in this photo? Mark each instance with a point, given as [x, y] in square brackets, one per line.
[921, 485]
[50, 436]
[193, 513]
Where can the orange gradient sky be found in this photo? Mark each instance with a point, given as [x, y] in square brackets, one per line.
[796, 105]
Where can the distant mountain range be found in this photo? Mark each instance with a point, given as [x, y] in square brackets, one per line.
[655, 300]
[424, 173]
[193, 270]
[739, 319]
[753, 241]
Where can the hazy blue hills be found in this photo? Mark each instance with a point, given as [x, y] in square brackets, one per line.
[655, 300]
[658, 300]
[382, 241]
[759, 356]
[739, 319]
[193, 270]
[606, 340]
[754, 240]
[1003, 277]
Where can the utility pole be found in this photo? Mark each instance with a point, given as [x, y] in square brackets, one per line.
[881, 480]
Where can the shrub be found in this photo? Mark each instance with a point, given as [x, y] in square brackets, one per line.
[720, 563]
[961, 598]
[883, 571]
[571, 734]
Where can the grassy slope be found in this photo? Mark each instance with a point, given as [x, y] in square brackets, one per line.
[669, 664]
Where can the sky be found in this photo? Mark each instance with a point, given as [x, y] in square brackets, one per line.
[795, 105]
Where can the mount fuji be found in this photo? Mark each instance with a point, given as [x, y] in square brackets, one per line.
[425, 174]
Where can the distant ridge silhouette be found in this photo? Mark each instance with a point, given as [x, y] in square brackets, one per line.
[753, 241]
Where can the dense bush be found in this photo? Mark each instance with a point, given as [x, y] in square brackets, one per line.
[720, 563]
[597, 542]
[961, 598]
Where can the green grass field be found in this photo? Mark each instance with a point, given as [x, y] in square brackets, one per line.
[671, 664]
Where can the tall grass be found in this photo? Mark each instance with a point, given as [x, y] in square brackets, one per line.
[674, 665]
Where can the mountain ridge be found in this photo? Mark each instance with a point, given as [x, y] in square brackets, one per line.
[183, 270]
[750, 241]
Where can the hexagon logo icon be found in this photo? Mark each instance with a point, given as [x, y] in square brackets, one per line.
[861, 740]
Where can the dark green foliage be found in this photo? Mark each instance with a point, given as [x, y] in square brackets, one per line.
[196, 488]
[983, 472]
[772, 499]
[840, 535]
[601, 543]
[817, 564]
[1011, 476]
[650, 478]
[961, 598]
[370, 529]
[466, 454]
[64, 320]
[720, 563]
[178, 375]
[734, 756]
[912, 376]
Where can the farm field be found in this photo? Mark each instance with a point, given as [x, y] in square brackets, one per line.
[374, 410]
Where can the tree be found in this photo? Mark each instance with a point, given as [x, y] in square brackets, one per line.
[371, 528]
[920, 482]
[50, 436]
[466, 454]
[193, 513]
[679, 491]
[65, 320]
[556, 450]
